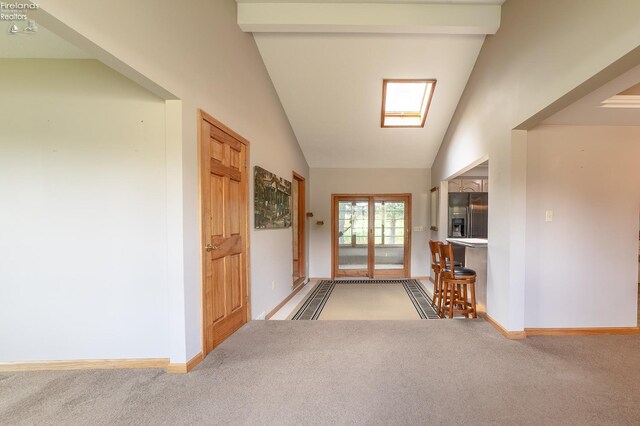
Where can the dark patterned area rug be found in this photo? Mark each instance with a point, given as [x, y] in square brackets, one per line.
[316, 301]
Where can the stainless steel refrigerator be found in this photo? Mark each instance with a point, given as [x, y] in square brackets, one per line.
[468, 214]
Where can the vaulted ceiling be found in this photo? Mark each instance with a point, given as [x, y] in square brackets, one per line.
[590, 109]
[327, 61]
[42, 44]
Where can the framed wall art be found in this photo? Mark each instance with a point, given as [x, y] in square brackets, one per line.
[272, 200]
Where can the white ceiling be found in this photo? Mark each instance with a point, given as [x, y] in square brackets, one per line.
[498, 2]
[330, 81]
[330, 86]
[588, 110]
[42, 44]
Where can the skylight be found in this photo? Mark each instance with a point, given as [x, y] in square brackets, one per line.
[405, 103]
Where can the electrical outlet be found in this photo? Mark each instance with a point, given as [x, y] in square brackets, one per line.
[273, 285]
[548, 216]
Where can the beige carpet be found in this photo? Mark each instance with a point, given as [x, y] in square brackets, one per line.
[353, 373]
[369, 302]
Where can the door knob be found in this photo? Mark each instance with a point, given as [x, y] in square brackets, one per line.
[209, 247]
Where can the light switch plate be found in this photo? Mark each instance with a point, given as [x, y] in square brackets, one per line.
[418, 228]
[548, 217]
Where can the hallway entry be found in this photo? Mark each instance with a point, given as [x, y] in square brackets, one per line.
[371, 235]
[224, 202]
[298, 203]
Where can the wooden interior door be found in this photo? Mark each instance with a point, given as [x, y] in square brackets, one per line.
[371, 235]
[298, 220]
[224, 189]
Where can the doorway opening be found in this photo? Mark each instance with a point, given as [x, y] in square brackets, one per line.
[371, 235]
[298, 194]
[467, 223]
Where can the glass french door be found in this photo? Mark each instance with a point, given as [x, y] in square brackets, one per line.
[351, 237]
[371, 236]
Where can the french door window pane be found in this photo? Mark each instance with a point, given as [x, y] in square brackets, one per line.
[389, 234]
[353, 234]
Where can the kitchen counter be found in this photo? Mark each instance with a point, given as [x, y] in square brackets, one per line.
[469, 242]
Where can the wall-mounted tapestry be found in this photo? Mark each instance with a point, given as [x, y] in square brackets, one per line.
[272, 200]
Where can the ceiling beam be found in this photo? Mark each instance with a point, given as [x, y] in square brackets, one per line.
[369, 18]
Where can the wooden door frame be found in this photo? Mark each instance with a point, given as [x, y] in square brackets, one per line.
[407, 225]
[302, 218]
[371, 198]
[203, 116]
[335, 198]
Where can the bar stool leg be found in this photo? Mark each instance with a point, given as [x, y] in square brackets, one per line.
[473, 301]
[465, 304]
[452, 299]
[442, 300]
[436, 289]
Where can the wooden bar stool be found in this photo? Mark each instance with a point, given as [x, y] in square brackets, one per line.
[434, 246]
[456, 285]
[438, 290]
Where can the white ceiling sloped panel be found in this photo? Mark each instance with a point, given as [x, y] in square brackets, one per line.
[330, 86]
[497, 2]
[405, 18]
[43, 44]
[588, 111]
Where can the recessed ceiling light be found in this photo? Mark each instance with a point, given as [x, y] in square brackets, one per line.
[405, 103]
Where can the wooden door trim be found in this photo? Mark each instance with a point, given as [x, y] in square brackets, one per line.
[334, 240]
[333, 236]
[204, 116]
[302, 218]
[392, 273]
[371, 198]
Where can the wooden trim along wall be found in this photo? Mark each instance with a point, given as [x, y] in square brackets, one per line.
[180, 368]
[284, 302]
[84, 364]
[102, 364]
[531, 332]
[512, 335]
[592, 331]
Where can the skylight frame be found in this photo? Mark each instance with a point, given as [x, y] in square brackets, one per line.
[384, 113]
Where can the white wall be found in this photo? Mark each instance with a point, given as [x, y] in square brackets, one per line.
[325, 182]
[83, 247]
[207, 62]
[543, 50]
[582, 266]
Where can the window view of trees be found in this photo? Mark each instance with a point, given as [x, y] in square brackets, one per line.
[375, 219]
[353, 223]
[389, 223]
